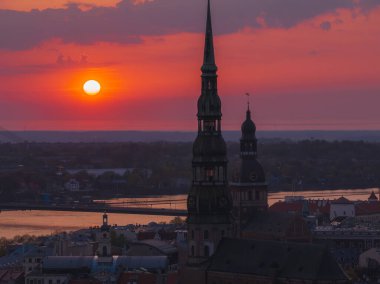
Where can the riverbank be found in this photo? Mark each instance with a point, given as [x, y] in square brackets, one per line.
[14, 223]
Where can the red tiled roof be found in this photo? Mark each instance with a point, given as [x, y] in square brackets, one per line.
[281, 206]
[315, 206]
[10, 274]
[367, 208]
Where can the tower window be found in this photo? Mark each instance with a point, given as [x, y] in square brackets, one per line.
[205, 235]
[210, 173]
[192, 234]
[105, 251]
[206, 251]
[249, 195]
[257, 195]
[192, 250]
[209, 126]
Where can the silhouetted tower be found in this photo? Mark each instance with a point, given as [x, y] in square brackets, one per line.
[104, 238]
[249, 189]
[209, 202]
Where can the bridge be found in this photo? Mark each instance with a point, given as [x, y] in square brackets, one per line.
[93, 207]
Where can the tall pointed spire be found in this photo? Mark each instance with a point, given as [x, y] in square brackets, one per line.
[209, 56]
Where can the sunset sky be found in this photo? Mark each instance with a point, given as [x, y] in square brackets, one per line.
[308, 64]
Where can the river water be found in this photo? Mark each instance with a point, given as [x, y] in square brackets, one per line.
[14, 223]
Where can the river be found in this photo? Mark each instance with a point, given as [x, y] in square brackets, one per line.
[14, 223]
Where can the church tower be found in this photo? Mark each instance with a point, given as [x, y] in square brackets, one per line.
[249, 188]
[104, 238]
[209, 202]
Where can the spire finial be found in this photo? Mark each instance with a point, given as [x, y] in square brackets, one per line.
[248, 99]
[248, 105]
[209, 56]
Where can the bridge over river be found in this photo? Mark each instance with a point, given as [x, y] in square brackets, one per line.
[93, 207]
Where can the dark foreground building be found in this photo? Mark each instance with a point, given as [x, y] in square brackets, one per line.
[254, 261]
[216, 221]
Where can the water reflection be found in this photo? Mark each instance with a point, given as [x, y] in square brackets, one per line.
[46, 222]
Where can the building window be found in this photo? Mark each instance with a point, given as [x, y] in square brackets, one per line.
[257, 193]
[206, 251]
[249, 195]
[105, 251]
[210, 173]
[222, 233]
[192, 250]
[205, 235]
[192, 234]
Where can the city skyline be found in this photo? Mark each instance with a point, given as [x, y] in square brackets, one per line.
[306, 66]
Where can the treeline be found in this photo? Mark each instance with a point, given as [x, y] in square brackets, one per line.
[32, 168]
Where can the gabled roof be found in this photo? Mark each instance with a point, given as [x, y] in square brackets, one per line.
[276, 259]
[342, 200]
[160, 245]
[367, 208]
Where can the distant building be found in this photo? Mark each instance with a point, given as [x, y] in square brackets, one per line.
[251, 261]
[277, 227]
[11, 276]
[64, 269]
[65, 246]
[33, 258]
[117, 171]
[155, 248]
[347, 242]
[249, 189]
[51, 278]
[103, 238]
[342, 207]
[370, 259]
[72, 185]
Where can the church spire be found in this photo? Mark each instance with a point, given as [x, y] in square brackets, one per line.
[209, 202]
[209, 55]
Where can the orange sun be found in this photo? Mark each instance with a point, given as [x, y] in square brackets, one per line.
[91, 87]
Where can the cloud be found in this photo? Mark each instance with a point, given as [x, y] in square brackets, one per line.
[127, 22]
[326, 26]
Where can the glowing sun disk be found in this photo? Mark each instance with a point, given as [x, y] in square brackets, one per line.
[91, 87]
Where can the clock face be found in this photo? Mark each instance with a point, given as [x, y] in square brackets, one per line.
[253, 176]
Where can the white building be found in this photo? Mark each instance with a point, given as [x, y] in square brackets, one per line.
[370, 258]
[72, 185]
[342, 207]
